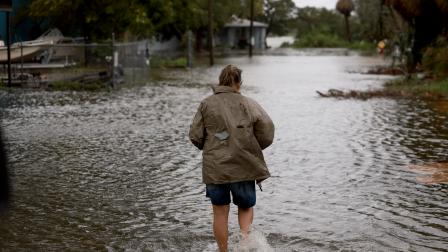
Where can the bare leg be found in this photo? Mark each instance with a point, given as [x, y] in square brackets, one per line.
[245, 218]
[220, 226]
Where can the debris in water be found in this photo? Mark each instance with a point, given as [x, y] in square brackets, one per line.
[378, 93]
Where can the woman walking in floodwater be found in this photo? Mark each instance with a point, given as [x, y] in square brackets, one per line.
[232, 130]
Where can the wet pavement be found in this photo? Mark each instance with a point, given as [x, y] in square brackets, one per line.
[115, 170]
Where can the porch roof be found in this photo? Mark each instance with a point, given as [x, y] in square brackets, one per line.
[240, 22]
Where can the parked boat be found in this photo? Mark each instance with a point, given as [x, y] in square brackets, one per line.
[26, 52]
[52, 45]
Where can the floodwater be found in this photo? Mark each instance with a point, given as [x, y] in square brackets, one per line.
[276, 42]
[115, 170]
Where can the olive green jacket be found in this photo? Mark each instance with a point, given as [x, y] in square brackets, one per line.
[231, 129]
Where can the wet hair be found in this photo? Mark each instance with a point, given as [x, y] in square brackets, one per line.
[230, 75]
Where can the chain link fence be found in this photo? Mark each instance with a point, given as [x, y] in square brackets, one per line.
[112, 63]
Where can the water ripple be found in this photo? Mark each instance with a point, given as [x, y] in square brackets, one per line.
[115, 170]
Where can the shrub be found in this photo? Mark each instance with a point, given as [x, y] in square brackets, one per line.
[157, 62]
[319, 40]
[435, 58]
[328, 40]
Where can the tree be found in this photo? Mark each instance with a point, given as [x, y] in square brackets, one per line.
[377, 22]
[318, 20]
[175, 17]
[428, 19]
[345, 7]
[95, 19]
[278, 14]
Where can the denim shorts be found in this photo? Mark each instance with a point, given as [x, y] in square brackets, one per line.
[243, 193]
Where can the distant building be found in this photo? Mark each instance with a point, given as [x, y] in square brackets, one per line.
[235, 34]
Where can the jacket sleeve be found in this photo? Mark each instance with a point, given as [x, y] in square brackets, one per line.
[197, 129]
[263, 127]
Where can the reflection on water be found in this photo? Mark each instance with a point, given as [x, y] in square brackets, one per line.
[441, 106]
[433, 172]
[276, 42]
[115, 170]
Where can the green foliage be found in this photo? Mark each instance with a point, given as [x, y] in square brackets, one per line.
[319, 27]
[371, 22]
[158, 62]
[419, 86]
[278, 14]
[327, 40]
[97, 19]
[320, 20]
[427, 19]
[367, 48]
[76, 86]
[319, 40]
[435, 57]
[376, 21]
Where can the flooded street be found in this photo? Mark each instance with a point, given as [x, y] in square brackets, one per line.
[115, 170]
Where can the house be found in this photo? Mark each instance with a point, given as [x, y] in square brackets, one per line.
[235, 34]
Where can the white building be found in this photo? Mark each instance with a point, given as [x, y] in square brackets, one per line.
[235, 34]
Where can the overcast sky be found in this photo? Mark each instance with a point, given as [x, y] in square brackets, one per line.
[329, 4]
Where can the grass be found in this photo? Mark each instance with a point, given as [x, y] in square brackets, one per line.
[158, 62]
[435, 63]
[419, 87]
[76, 86]
[65, 79]
[435, 90]
[68, 86]
[362, 46]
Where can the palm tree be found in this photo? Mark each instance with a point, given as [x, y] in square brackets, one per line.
[345, 7]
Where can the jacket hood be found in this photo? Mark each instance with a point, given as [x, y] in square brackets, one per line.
[223, 89]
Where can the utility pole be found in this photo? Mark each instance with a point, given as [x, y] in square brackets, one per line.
[114, 60]
[251, 31]
[189, 49]
[21, 58]
[210, 31]
[8, 42]
[380, 20]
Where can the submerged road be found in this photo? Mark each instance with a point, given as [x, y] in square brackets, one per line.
[115, 170]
